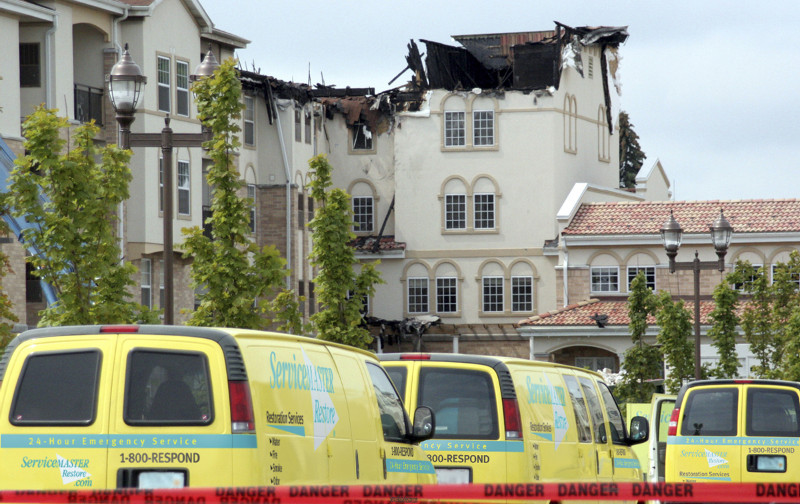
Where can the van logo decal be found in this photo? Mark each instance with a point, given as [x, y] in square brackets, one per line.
[713, 459]
[559, 415]
[70, 472]
[325, 416]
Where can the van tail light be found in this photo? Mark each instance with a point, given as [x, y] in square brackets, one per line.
[673, 423]
[513, 422]
[242, 421]
[119, 329]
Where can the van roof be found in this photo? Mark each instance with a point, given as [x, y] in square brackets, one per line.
[227, 338]
[735, 381]
[486, 360]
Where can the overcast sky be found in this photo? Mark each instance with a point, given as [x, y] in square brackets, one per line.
[711, 87]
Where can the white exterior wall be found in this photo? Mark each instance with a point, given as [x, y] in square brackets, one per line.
[9, 84]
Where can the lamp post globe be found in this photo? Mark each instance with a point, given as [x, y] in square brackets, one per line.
[125, 83]
[671, 233]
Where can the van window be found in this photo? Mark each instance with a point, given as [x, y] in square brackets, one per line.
[772, 412]
[579, 406]
[615, 422]
[57, 389]
[711, 412]
[463, 401]
[167, 388]
[398, 375]
[393, 417]
[595, 410]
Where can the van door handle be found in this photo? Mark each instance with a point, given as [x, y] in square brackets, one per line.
[383, 457]
[358, 473]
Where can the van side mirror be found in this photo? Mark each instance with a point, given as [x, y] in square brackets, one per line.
[424, 425]
[639, 430]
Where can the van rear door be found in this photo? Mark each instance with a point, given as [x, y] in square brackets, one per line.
[54, 415]
[772, 428]
[170, 417]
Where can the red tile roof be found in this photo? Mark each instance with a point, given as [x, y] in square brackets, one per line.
[617, 311]
[647, 217]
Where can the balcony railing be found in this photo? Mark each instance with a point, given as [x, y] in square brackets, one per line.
[88, 104]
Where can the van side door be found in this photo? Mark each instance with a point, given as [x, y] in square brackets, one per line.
[587, 458]
[170, 420]
[602, 443]
[54, 415]
[772, 427]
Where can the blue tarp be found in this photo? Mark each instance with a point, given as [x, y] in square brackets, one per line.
[18, 224]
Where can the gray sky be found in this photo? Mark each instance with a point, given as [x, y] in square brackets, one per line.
[712, 87]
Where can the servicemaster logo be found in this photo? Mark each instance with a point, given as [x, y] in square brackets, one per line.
[72, 470]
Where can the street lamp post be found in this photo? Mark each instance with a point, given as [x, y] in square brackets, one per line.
[721, 232]
[125, 83]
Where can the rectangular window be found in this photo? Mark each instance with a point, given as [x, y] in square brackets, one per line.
[794, 276]
[446, 295]
[30, 68]
[308, 126]
[484, 210]
[463, 401]
[57, 389]
[249, 121]
[649, 273]
[33, 285]
[750, 279]
[455, 211]
[417, 295]
[364, 309]
[182, 87]
[482, 128]
[579, 407]
[521, 293]
[362, 136]
[362, 214]
[301, 212]
[164, 387]
[454, 129]
[492, 294]
[711, 412]
[251, 193]
[146, 270]
[390, 406]
[298, 126]
[605, 279]
[161, 284]
[163, 84]
[772, 413]
[184, 190]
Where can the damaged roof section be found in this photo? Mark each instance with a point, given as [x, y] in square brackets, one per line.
[523, 60]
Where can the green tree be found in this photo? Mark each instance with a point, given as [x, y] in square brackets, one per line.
[7, 316]
[339, 289]
[676, 328]
[723, 330]
[230, 270]
[631, 156]
[642, 361]
[74, 228]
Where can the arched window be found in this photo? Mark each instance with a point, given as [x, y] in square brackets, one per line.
[570, 124]
[603, 136]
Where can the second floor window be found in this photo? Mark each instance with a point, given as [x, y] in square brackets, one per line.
[446, 295]
[298, 126]
[249, 121]
[362, 136]
[455, 211]
[362, 214]
[492, 294]
[484, 211]
[147, 282]
[454, 129]
[605, 279]
[649, 273]
[184, 190]
[417, 295]
[251, 193]
[30, 68]
[182, 88]
[163, 84]
[521, 294]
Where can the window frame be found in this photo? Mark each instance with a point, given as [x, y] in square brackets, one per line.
[146, 274]
[455, 220]
[527, 297]
[421, 299]
[482, 132]
[358, 131]
[249, 121]
[164, 88]
[363, 214]
[636, 269]
[251, 193]
[496, 295]
[482, 213]
[455, 130]
[184, 191]
[610, 270]
[30, 72]
[182, 91]
[447, 299]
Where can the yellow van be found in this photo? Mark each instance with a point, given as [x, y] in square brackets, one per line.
[506, 420]
[735, 431]
[103, 407]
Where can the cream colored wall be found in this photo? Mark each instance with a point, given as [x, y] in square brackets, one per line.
[9, 84]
